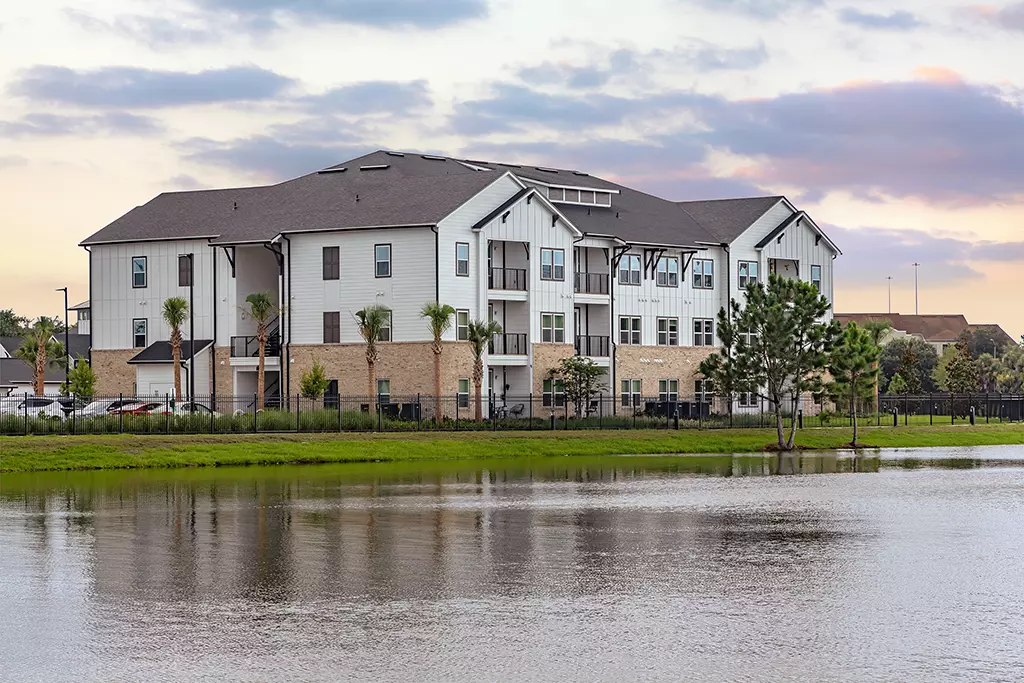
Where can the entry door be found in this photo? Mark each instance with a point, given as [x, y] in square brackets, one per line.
[576, 329]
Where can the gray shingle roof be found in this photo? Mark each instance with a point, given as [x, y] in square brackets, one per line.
[161, 352]
[727, 219]
[11, 344]
[16, 371]
[78, 344]
[415, 189]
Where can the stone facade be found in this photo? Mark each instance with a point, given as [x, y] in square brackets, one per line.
[408, 365]
[113, 374]
[651, 364]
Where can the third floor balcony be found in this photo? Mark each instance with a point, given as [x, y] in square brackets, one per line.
[509, 344]
[592, 283]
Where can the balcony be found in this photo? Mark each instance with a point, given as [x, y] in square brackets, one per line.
[508, 279]
[594, 347]
[505, 344]
[249, 347]
[592, 283]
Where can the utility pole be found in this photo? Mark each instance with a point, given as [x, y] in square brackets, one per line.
[890, 293]
[917, 310]
[67, 350]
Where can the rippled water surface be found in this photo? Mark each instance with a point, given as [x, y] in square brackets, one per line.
[906, 569]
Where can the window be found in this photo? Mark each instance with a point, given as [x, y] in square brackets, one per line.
[816, 277]
[572, 196]
[385, 330]
[139, 326]
[552, 328]
[332, 263]
[462, 325]
[703, 332]
[552, 264]
[587, 197]
[748, 339]
[332, 328]
[668, 331]
[83, 315]
[138, 272]
[462, 259]
[629, 269]
[630, 392]
[629, 330]
[668, 271]
[382, 258]
[748, 273]
[184, 270]
[747, 399]
[668, 390]
[702, 391]
[463, 393]
[384, 390]
[556, 194]
[554, 393]
[578, 196]
[703, 274]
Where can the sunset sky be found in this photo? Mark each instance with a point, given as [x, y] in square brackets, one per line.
[898, 125]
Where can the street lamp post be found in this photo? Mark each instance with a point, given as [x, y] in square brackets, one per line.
[890, 293]
[916, 309]
[67, 350]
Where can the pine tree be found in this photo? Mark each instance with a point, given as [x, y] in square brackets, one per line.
[962, 371]
[910, 370]
[853, 366]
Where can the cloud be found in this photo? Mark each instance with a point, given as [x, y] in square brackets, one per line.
[183, 182]
[1009, 18]
[156, 32]
[284, 151]
[371, 97]
[12, 160]
[629, 66]
[385, 14]
[758, 9]
[895, 21]
[134, 87]
[872, 254]
[59, 125]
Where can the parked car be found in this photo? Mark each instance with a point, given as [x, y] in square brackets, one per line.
[106, 407]
[137, 408]
[33, 406]
[184, 408]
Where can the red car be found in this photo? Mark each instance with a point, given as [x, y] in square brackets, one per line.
[137, 409]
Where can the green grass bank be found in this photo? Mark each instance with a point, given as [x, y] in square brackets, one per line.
[52, 453]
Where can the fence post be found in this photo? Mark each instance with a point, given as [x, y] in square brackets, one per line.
[380, 414]
[952, 409]
[800, 418]
[906, 410]
[255, 414]
[73, 411]
[456, 412]
[167, 413]
[213, 418]
[600, 411]
[25, 405]
[565, 404]
[931, 410]
[419, 421]
[120, 415]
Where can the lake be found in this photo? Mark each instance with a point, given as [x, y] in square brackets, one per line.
[908, 567]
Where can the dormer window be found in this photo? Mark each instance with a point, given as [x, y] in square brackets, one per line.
[569, 195]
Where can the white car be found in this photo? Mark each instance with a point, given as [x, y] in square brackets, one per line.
[33, 406]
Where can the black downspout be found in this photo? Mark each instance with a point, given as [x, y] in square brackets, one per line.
[286, 310]
[91, 319]
[728, 307]
[612, 329]
[437, 264]
[213, 352]
[191, 326]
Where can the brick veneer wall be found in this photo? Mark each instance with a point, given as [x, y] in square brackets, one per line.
[653, 363]
[113, 374]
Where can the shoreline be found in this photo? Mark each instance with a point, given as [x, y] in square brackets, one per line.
[119, 452]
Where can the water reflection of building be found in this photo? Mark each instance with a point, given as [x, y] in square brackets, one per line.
[559, 529]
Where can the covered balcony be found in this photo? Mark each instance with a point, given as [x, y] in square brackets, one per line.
[594, 346]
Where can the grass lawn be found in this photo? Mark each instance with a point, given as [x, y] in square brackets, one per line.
[42, 453]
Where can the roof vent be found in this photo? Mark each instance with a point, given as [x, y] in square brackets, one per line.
[546, 170]
[433, 157]
[510, 165]
[375, 167]
[581, 173]
[394, 154]
[235, 207]
[334, 169]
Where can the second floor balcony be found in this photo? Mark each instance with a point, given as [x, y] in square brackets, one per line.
[509, 344]
[508, 279]
[593, 346]
[592, 283]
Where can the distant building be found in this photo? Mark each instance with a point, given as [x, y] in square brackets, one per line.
[941, 331]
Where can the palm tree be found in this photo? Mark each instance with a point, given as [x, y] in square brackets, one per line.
[38, 346]
[439, 318]
[175, 314]
[480, 335]
[261, 309]
[372, 321]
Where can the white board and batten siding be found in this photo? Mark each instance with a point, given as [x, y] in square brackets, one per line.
[460, 292]
[410, 286]
[530, 222]
[115, 303]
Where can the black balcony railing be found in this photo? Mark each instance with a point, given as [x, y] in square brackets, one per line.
[591, 283]
[249, 347]
[508, 345]
[595, 347]
[508, 279]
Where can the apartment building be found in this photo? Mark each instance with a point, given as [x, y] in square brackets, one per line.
[566, 262]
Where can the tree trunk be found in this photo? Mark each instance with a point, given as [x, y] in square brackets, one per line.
[478, 385]
[438, 404]
[853, 408]
[176, 357]
[261, 339]
[371, 376]
[792, 425]
[39, 378]
[779, 426]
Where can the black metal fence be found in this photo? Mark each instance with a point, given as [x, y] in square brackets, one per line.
[20, 415]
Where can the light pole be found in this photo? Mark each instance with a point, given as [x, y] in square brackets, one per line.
[916, 309]
[67, 351]
[890, 293]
